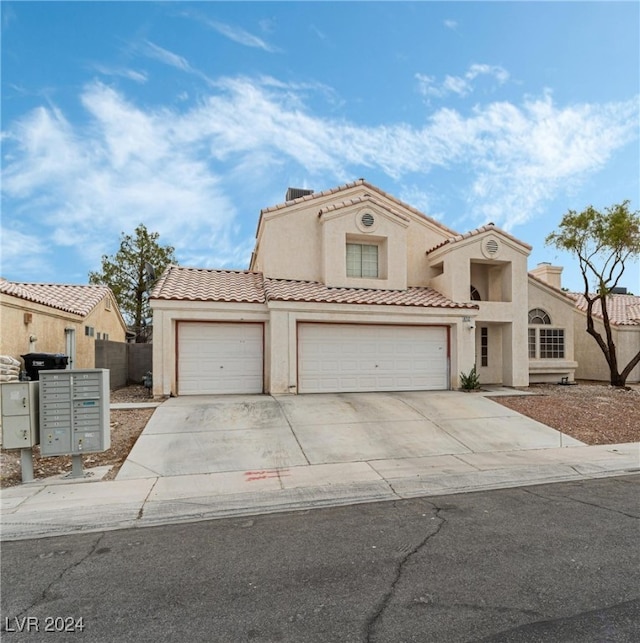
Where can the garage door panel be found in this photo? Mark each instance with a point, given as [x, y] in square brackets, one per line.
[219, 358]
[351, 357]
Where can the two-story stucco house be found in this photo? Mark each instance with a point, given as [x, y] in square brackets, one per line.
[351, 289]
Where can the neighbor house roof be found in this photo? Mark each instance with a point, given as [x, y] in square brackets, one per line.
[489, 227]
[624, 310]
[203, 284]
[80, 300]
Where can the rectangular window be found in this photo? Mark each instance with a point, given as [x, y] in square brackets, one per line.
[484, 346]
[552, 343]
[362, 260]
[532, 343]
[89, 331]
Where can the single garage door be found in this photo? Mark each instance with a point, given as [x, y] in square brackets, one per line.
[336, 358]
[219, 358]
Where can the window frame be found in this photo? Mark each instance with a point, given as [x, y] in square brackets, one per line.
[544, 340]
[360, 267]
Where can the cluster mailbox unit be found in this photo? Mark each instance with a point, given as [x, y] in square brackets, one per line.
[19, 415]
[74, 412]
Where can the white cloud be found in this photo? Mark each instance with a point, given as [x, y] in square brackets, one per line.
[28, 251]
[460, 85]
[172, 169]
[123, 72]
[450, 24]
[167, 57]
[239, 35]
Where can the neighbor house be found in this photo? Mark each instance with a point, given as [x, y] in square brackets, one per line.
[57, 318]
[351, 289]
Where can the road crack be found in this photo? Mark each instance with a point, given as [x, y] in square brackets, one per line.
[373, 620]
[583, 502]
[45, 592]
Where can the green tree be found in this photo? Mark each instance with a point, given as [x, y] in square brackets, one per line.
[130, 273]
[603, 242]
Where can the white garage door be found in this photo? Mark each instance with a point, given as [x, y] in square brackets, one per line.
[219, 358]
[351, 357]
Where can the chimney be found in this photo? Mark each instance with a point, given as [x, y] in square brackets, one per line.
[548, 273]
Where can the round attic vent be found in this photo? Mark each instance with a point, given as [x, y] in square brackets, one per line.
[367, 220]
[491, 246]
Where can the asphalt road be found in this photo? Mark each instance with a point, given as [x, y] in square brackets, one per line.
[547, 563]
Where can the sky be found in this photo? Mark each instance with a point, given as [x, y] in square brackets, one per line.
[190, 117]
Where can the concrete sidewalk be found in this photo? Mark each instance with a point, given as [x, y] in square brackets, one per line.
[277, 459]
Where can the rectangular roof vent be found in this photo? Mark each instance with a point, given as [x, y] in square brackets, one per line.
[296, 193]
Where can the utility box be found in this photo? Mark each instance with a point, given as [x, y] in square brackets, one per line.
[74, 411]
[20, 429]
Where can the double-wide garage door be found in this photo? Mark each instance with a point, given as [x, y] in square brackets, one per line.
[353, 357]
[219, 358]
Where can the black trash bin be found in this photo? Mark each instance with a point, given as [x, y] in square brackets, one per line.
[36, 362]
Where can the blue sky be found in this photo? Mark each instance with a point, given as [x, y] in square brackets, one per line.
[190, 117]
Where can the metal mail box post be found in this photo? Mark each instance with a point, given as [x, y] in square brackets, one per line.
[19, 415]
[74, 412]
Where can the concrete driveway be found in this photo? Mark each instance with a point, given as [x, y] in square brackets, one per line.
[263, 436]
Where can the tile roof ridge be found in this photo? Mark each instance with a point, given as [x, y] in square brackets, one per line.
[332, 207]
[346, 186]
[487, 227]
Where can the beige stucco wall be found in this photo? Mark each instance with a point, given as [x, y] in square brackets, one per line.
[48, 325]
[285, 317]
[167, 315]
[281, 347]
[502, 283]
[592, 364]
[296, 243]
[389, 233]
[560, 310]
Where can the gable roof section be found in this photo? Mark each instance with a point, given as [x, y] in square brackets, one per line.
[80, 300]
[624, 310]
[360, 200]
[202, 284]
[311, 291]
[489, 227]
[347, 186]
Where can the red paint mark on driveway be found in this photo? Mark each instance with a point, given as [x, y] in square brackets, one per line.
[250, 476]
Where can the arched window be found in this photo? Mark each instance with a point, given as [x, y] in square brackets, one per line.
[475, 295]
[544, 343]
[539, 316]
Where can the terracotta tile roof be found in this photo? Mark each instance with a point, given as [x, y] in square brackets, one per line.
[489, 227]
[80, 300]
[624, 310]
[311, 291]
[201, 284]
[346, 186]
